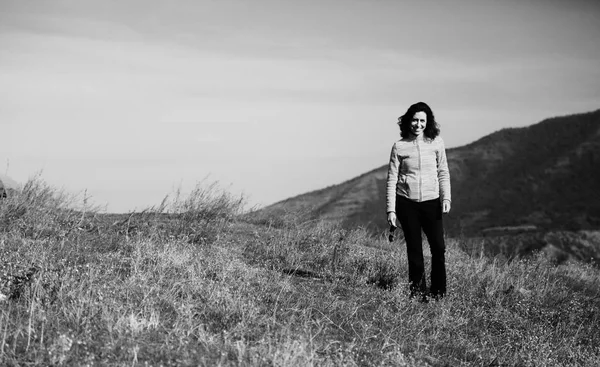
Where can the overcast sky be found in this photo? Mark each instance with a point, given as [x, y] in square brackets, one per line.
[130, 99]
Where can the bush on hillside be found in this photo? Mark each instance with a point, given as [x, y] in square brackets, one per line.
[199, 216]
[39, 211]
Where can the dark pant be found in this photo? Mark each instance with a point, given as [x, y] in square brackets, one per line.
[427, 216]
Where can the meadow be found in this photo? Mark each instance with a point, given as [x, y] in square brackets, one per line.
[195, 281]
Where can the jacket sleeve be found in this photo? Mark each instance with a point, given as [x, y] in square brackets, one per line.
[392, 181]
[443, 173]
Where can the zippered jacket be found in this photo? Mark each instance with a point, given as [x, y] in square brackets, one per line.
[418, 171]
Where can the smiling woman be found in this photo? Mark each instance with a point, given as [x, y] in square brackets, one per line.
[418, 192]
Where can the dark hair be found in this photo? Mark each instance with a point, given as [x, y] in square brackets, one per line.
[432, 130]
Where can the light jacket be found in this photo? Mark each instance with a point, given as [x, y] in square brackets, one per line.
[418, 171]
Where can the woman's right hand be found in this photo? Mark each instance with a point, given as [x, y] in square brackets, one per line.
[392, 219]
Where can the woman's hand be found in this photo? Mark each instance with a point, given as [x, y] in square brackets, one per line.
[392, 219]
[446, 206]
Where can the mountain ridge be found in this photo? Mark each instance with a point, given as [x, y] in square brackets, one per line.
[542, 175]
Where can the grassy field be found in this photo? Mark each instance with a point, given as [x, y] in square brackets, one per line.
[193, 282]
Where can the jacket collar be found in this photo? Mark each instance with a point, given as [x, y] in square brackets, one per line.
[415, 139]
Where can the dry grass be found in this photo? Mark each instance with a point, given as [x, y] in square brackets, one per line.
[187, 284]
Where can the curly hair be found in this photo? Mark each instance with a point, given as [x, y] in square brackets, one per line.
[432, 129]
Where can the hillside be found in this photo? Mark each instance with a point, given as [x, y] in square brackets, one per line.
[198, 285]
[545, 175]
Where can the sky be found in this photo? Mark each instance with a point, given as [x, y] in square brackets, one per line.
[130, 100]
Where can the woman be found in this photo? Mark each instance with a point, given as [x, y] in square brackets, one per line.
[418, 192]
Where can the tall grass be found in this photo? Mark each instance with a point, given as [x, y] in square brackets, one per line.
[188, 283]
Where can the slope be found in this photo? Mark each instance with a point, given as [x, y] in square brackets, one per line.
[544, 175]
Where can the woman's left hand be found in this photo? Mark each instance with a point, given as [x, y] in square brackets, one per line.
[446, 206]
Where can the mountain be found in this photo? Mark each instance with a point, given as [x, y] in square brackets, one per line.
[545, 176]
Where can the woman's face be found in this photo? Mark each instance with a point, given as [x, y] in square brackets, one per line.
[418, 123]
